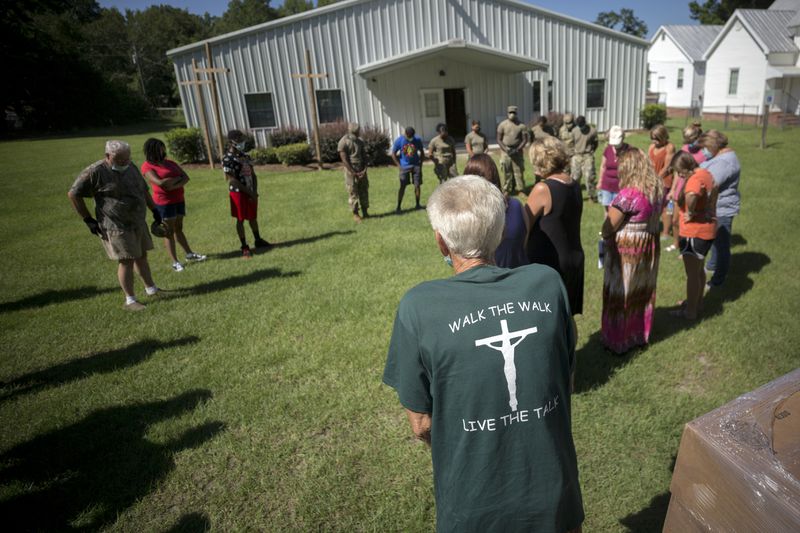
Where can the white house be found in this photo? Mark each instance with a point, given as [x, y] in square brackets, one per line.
[393, 63]
[754, 60]
[676, 68]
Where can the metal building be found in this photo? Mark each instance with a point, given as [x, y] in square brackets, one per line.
[393, 63]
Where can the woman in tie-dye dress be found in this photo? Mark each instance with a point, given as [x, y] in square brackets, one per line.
[631, 233]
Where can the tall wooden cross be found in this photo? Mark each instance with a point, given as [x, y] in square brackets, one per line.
[195, 82]
[313, 99]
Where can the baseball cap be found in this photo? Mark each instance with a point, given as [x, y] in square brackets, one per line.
[512, 109]
[615, 135]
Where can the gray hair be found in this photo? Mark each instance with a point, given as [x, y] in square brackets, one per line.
[469, 214]
[117, 147]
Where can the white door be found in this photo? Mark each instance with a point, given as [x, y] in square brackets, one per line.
[432, 112]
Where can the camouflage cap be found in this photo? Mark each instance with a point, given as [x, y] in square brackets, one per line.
[512, 109]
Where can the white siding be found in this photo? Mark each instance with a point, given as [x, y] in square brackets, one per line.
[736, 50]
[664, 58]
[342, 38]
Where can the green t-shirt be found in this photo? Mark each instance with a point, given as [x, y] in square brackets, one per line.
[444, 150]
[477, 141]
[488, 354]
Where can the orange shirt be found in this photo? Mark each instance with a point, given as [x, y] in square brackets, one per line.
[658, 156]
[701, 226]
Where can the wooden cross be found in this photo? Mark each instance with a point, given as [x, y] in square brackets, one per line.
[313, 98]
[196, 83]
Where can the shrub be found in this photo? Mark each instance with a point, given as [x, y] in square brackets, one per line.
[653, 114]
[186, 145]
[294, 154]
[329, 135]
[264, 156]
[376, 145]
[249, 141]
[287, 135]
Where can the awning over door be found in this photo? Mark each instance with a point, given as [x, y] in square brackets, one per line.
[456, 50]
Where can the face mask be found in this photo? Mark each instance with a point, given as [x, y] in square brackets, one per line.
[707, 153]
[118, 168]
[448, 261]
[241, 146]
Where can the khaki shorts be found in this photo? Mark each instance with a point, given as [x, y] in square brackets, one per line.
[127, 244]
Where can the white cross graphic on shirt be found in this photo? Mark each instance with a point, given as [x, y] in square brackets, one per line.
[506, 347]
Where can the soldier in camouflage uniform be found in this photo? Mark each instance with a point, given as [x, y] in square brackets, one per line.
[585, 139]
[512, 137]
[352, 153]
[565, 134]
[442, 151]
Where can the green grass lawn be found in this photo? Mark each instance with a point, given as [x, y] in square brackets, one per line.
[251, 397]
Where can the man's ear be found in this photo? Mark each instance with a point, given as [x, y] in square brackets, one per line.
[442, 245]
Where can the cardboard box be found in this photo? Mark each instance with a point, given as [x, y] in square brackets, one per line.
[738, 467]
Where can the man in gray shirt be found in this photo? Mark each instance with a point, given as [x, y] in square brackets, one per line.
[121, 201]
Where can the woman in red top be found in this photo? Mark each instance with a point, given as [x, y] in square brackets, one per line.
[697, 203]
[661, 152]
[168, 179]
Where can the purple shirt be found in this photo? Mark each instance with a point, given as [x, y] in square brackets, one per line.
[609, 181]
[696, 151]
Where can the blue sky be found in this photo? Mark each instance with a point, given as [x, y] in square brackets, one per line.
[653, 13]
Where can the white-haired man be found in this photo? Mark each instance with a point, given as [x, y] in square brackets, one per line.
[121, 198]
[482, 362]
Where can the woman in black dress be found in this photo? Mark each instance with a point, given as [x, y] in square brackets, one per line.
[555, 206]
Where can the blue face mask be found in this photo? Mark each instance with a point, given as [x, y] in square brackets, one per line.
[707, 153]
[448, 260]
[241, 146]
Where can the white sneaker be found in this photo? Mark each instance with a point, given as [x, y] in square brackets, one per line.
[195, 257]
[177, 266]
[600, 264]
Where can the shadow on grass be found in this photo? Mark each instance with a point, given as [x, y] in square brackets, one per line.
[191, 523]
[84, 475]
[230, 283]
[739, 282]
[596, 364]
[286, 244]
[649, 519]
[53, 297]
[394, 213]
[99, 363]
[737, 240]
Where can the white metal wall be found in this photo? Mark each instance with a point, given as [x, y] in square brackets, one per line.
[344, 36]
[736, 50]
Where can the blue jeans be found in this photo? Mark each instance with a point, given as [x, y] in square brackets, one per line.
[720, 260]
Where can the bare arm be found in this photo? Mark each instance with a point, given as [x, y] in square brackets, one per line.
[394, 158]
[603, 166]
[500, 142]
[539, 203]
[79, 204]
[612, 222]
[670, 148]
[420, 425]
[168, 184]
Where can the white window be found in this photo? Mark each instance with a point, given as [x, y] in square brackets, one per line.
[260, 113]
[680, 78]
[432, 105]
[733, 82]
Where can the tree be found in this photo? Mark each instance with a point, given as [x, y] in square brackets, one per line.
[719, 11]
[624, 21]
[243, 14]
[321, 3]
[151, 33]
[292, 7]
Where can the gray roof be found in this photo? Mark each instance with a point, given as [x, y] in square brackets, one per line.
[771, 27]
[786, 5]
[795, 20]
[693, 39]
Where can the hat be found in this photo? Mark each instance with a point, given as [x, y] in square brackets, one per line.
[512, 109]
[615, 136]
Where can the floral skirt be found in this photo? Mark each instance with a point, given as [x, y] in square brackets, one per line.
[629, 287]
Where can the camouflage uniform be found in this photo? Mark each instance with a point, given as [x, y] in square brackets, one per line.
[583, 160]
[357, 188]
[513, 163]
[565, 134]
[477, 141]
[444, 152]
